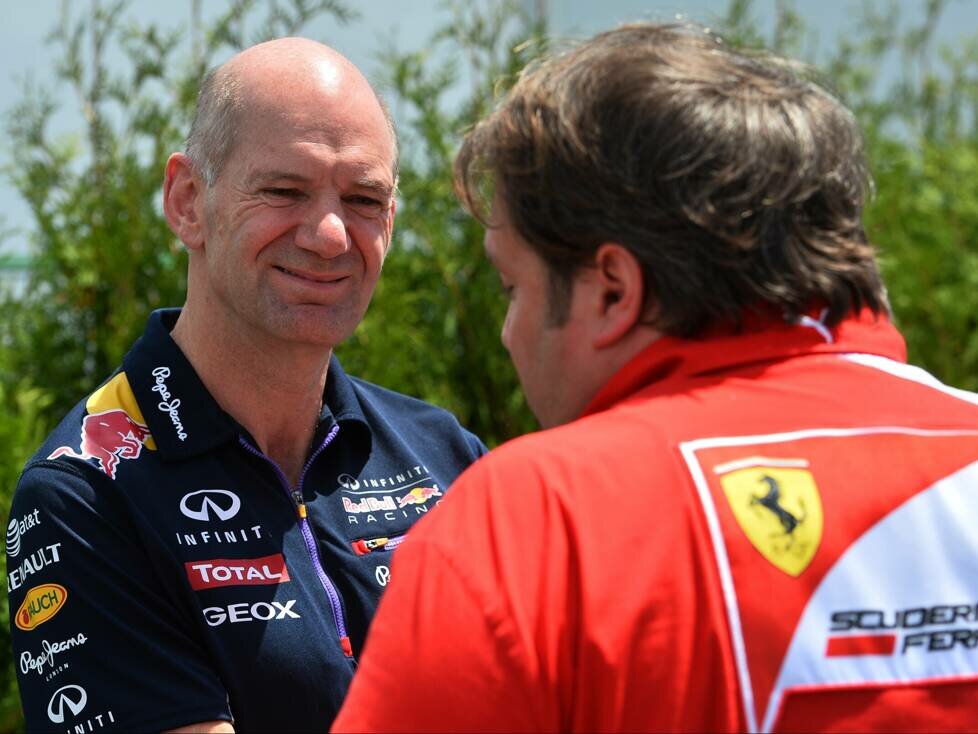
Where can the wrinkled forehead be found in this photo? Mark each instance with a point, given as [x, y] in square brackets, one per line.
[325, 103]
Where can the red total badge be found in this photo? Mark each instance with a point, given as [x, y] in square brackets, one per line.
[218, 572]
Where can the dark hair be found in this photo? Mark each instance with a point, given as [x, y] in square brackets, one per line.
[734, 179]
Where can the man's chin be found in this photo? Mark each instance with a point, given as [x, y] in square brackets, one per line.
[313, 325]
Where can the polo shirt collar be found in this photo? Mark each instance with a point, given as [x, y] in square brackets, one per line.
[182, 416]
[764, 337]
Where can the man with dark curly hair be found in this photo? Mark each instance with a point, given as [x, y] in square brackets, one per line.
[747, 511]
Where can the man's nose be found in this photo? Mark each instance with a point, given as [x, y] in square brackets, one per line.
[323, 230]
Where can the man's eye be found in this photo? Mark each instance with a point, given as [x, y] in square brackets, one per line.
[282, 193]
[361, 200]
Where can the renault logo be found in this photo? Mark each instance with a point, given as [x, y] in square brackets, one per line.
[74, 697]
[210, 505]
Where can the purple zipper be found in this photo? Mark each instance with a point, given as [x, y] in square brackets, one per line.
[372, 545]
[296, 498]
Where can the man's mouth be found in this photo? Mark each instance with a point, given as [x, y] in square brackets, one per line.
[312, 277]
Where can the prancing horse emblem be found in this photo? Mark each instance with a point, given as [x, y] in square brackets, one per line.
[777, 505]
[772, 501]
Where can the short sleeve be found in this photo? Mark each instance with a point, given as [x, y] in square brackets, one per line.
[436, 659]
[99, 637]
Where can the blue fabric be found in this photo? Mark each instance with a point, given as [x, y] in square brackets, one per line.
[112, 534]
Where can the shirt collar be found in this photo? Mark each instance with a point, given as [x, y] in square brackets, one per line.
[182, 416]
[764, 337]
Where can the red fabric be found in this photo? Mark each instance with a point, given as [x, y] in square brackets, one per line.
[569, 580]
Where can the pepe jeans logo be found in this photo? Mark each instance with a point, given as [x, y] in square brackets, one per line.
[29, 661]
[209, 505]
[16, 529]
[168, 404]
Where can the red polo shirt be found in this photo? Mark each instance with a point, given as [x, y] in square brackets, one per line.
[770, 530]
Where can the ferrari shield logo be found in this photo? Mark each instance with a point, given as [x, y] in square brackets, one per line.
[779, 509]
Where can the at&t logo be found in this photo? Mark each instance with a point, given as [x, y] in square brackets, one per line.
[210, 505]
[16, 530]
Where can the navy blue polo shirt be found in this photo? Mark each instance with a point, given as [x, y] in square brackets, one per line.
[161, 570]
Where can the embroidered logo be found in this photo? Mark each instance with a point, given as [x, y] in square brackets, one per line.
[210, 505]
[168, 404]
[114, 428]
[777, 505]
[41, 603]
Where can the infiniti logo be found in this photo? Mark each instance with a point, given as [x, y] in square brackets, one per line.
[65, 696]
[205, 503]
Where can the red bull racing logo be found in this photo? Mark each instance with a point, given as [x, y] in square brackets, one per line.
[418, 496]
[113, 430]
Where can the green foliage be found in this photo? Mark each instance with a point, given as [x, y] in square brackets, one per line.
[433, 328]
[21, 431]
[103, 257]
[925, 220]
[922, 142]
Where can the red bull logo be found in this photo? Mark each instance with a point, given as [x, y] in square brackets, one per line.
[108, 437]
[113, 430]
[418, 496]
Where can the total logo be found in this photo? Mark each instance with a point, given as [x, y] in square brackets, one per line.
[17, 528]
[261, 611]
[237, 572]
[70, 701]
[41, 603]
[210, 505]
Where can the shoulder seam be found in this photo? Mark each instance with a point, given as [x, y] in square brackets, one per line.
[56, 465]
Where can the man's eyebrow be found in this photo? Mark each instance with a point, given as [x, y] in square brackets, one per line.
[265, 177]
[379, 185]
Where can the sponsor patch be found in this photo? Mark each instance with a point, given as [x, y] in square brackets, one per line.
[168, 404]
[219, 572]
[41, 603]
[113, 430]
[17, 528]
[865, 595]
[68, 702]
[29, 661]
[418, 496]
[45, 556]
[778, 508]
[210, 505]
[261, 611]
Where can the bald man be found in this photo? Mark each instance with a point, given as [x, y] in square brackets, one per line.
[201, 543]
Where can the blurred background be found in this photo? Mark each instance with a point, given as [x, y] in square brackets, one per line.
[95, 94]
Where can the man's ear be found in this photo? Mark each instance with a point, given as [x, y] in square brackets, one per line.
[183, 201]
[620, 294]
